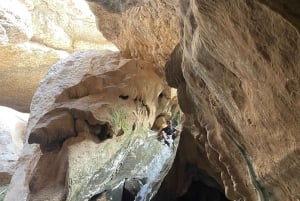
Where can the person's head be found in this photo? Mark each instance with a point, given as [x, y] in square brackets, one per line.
[169, 123]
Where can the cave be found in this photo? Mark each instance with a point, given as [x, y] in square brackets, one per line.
[98, 79]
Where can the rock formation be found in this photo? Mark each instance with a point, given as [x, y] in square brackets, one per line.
[149, 31]
[236, 68]
[12, 137]
[36, 34]
[242, 73]
[79, 109]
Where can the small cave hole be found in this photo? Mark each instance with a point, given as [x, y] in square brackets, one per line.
[133, 126]
[124, 97]
[200, 191]
[160, 95]
[105, 132]
[249, 121]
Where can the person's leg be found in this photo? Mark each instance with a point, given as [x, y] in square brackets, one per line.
[174, 136]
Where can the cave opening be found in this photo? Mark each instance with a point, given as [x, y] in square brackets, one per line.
[198, 185]
[203, 187]
[199, 191]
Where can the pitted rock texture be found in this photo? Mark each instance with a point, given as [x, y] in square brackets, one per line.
[236, 69]
[102, 84]
[237, 74]
[12, 139]
[36, 34]
[148, 31]
[86, 107]
[240, 93]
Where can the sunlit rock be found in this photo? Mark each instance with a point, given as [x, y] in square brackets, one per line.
[148, 30]
[91, 117]
[236, 70]
[15, 23]
[235, 65]
[34, 35]
[12, 136]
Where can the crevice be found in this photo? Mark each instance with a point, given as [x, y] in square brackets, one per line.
[264, 194]
[160, 95]
[142, 104]
[147, 108]
[124, 97]
[227, 124]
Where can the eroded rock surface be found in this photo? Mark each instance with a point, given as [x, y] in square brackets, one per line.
[87, 116]
[36, 34]
[241, 70]
[237, 74]
[148, 30]
[236, 69]
[12, 137]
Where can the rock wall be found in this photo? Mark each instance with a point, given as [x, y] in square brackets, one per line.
[236, 69]
[241, 70]
[36, 34]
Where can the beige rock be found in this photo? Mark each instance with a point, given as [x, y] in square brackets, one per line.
[237, 74]
[98, 92]
[15, 23]
[85, 100]
[241, 70]
[60, 24]
[12, 136]
[149, 31]
[34, 35]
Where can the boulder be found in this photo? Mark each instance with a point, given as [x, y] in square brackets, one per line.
[77, 115]
[147, 30]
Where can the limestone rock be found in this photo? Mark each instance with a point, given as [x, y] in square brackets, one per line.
[60, 24]
[15, 23]
[97, 92]
[240, 94]
[237, 72]
[36, 34]
[76, 113]
[12, 136]
[148, 31]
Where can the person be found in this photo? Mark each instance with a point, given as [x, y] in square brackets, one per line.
[169, 132]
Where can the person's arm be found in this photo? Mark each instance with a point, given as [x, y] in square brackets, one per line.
[164, 134]
[176, 132]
